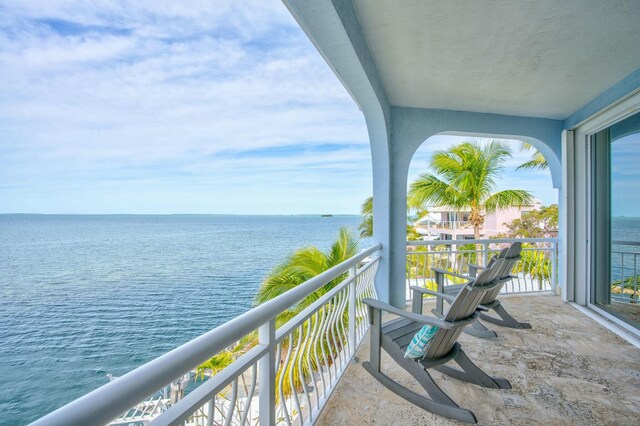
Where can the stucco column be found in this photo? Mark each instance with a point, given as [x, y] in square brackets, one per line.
[398, 229]
[390, 167]
[377, 126]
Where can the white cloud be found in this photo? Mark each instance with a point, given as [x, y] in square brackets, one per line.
[92, 88]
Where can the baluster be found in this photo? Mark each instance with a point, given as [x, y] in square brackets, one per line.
[634, 298]
[352, 310]
[485, 254]
[554, 276]
[267, 371]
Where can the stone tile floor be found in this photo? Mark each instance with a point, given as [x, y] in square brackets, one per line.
[566, 370]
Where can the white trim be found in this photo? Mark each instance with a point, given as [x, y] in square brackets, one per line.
[605, 320]
[577, 188]
[565, 240]
[610, 115]
[614, 319]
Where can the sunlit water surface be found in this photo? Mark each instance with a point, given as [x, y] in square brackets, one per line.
[83, 296]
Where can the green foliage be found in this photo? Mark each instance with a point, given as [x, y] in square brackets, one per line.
[302, 265]
[366, 210]
[468, 253]
[412, 234]
[541, 223]
[421, 261]
[537, 160]
[366, 226]
[535, 263]
[223, 359]
[627, 287]
[465, 178]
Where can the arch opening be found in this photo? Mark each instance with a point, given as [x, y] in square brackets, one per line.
[525, 168]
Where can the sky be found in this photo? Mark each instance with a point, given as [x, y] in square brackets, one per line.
[180, 107]
[625, 176]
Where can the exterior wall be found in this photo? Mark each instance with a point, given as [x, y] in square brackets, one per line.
[333, 27]
[577, 252]
[396, 133]
[494, 223]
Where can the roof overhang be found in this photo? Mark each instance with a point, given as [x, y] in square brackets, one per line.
[536, 59]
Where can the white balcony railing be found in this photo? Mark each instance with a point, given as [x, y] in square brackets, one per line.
[536, 271]
[624, 271]
[285, 376]
[447, 224]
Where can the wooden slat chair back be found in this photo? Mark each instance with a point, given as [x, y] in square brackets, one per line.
[510, 256]
[464, 306]
[511, 253]
[395, 335]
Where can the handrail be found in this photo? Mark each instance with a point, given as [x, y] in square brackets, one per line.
[537, 270]
[482, 241]
[112, 399]
[626, 243]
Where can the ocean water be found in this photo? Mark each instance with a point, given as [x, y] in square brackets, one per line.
[83, 296]
[625, 229]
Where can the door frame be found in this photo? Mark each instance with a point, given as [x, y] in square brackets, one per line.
[577, 219]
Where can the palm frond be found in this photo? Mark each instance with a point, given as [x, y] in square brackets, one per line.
[508, 198]
[465, 177]
[367, 207]
[366, 226]
[537, 161]
[429, 189]
[345, 247]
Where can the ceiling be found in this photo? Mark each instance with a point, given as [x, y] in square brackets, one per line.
[544, 58]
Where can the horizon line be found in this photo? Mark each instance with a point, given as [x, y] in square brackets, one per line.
[178, 214]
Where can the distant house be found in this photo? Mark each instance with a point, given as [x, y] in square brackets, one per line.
[447, 223]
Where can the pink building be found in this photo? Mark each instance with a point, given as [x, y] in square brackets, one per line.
[446, 223]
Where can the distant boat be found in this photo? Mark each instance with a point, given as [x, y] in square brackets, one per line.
[326, 215]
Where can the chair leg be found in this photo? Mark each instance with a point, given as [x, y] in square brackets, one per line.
[477, 329]
[452, 411]
[376, 335]
[506, 319]
[472, 373]
[419, 373]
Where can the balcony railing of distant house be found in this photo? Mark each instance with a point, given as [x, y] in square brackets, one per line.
[624, 271]
[285, 376]
[535, 272]
[448, 224]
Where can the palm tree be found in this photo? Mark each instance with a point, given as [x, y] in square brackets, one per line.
[366, 226]
[304, 264]
[537, 161]
[366, 210]
[465, 178]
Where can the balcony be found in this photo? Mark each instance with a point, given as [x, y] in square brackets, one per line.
[444, 226]
[558, 370]
[301, 370]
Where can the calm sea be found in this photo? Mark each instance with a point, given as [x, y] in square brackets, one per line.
[83, 296]
[625, 229]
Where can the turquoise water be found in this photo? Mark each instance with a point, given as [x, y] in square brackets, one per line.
[83, 296]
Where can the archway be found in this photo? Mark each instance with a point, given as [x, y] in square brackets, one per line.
[440, 235]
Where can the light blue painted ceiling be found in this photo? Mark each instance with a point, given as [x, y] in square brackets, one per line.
[543, 58]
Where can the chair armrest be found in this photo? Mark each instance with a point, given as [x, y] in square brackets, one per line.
[473, 265]
[449, 298]
[445, 272]
[422, 319]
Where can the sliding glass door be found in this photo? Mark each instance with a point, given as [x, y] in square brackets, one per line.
[615, 223]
